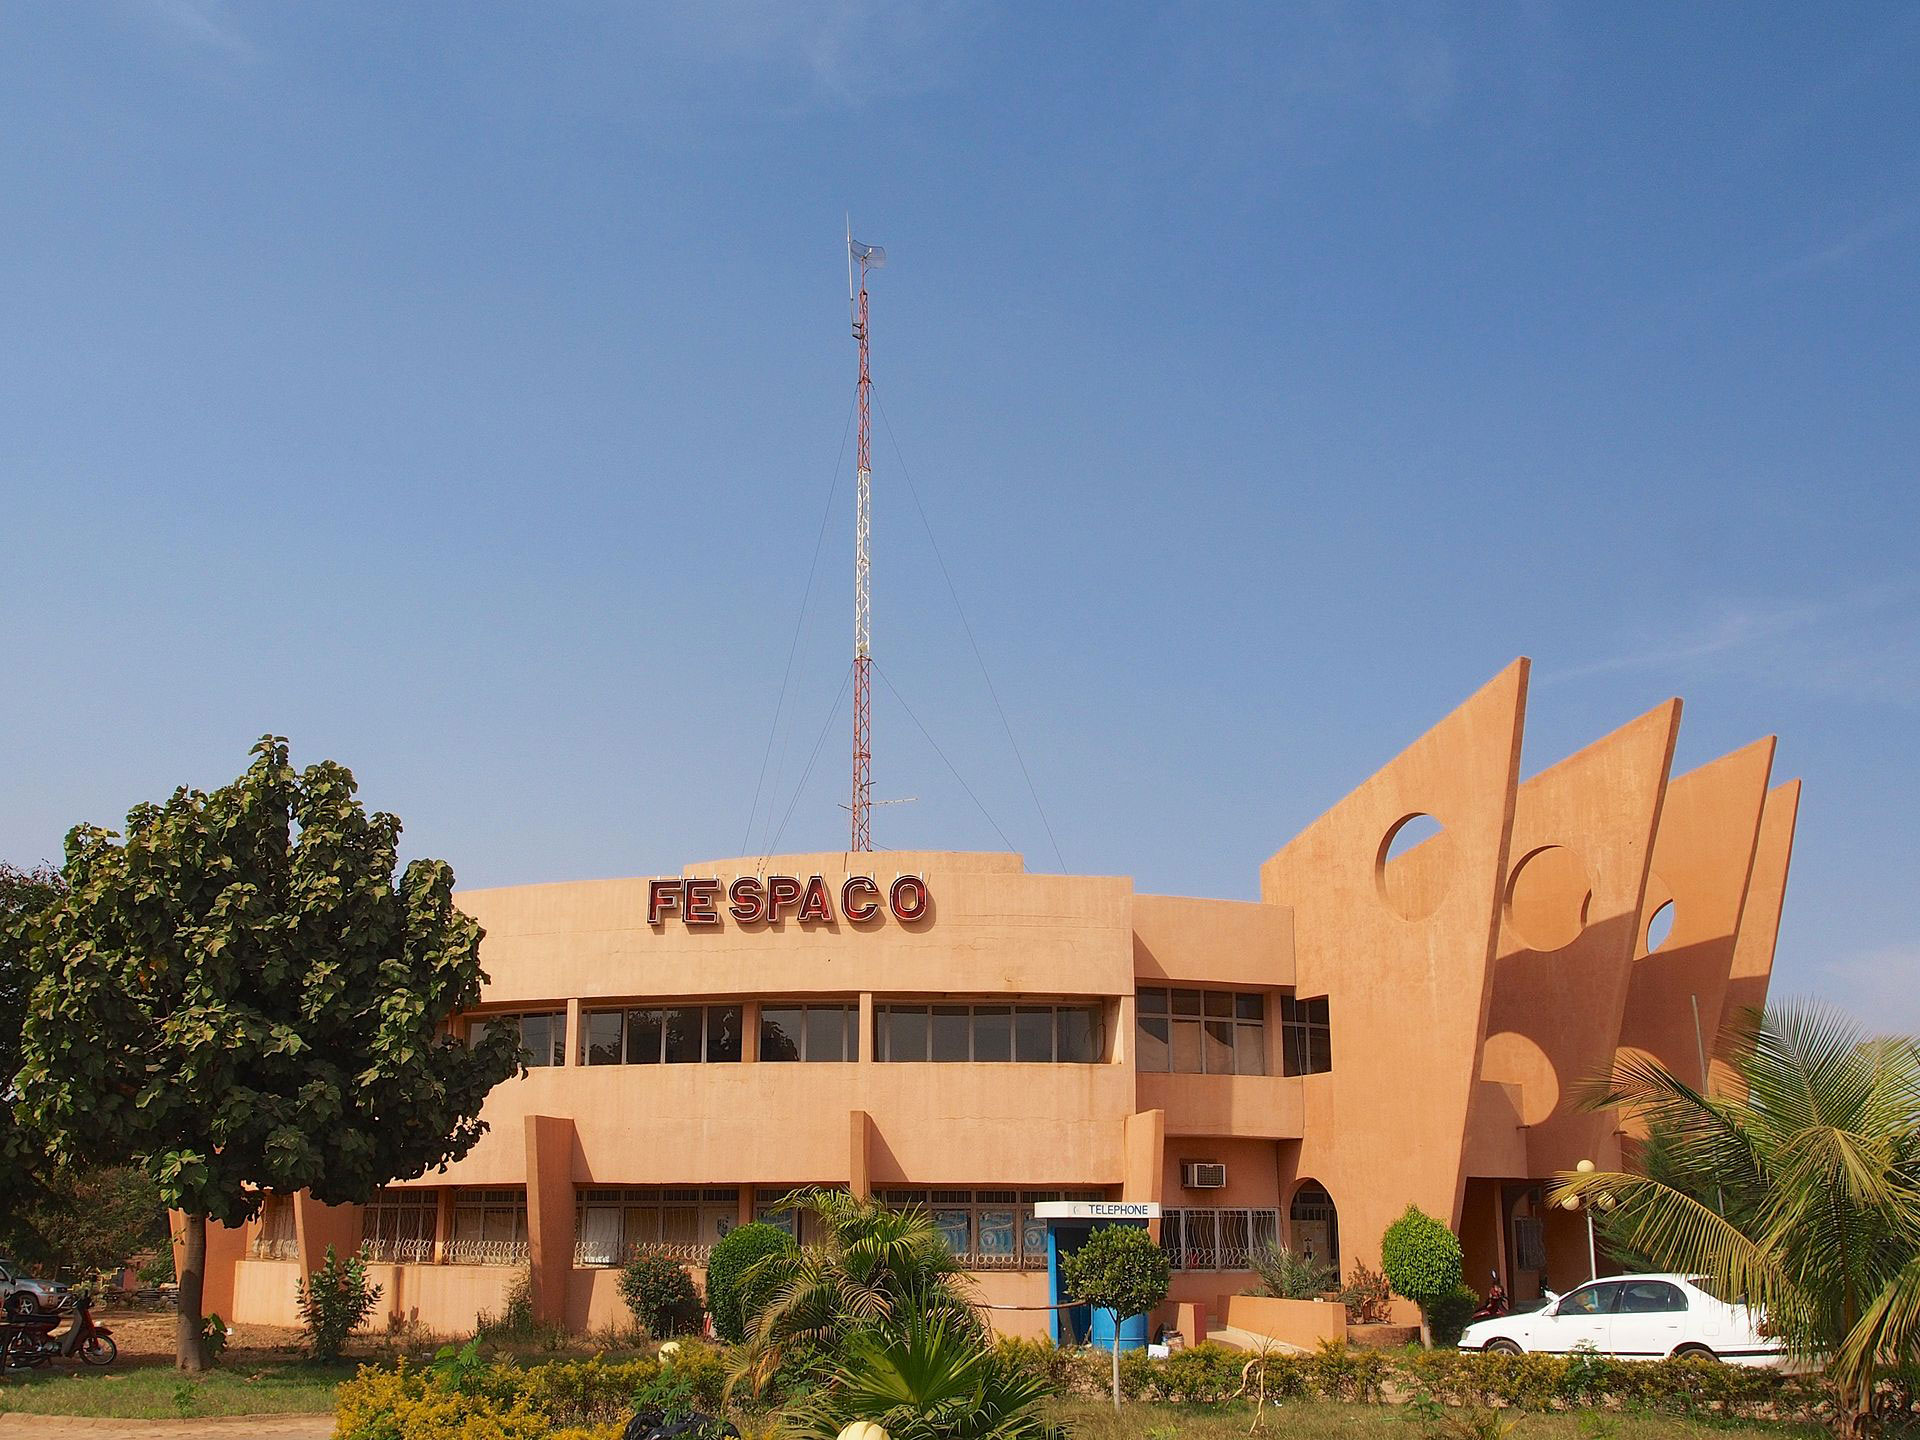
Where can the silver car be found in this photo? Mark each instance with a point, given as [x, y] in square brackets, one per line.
[1634, 1317]
[21, 1294]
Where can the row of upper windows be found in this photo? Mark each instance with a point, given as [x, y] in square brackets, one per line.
[1180, 1031]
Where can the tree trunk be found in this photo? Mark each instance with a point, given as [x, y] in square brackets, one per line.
[1116, 1360]
[189, 1350]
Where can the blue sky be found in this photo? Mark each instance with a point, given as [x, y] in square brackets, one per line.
[458, 390]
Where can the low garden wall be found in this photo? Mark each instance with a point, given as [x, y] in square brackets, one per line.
[1305, 1323]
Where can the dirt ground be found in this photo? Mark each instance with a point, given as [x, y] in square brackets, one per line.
[145, 1336]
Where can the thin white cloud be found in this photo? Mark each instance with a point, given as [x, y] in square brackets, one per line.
[1844, 247]
[202, 24]
[1862, 645]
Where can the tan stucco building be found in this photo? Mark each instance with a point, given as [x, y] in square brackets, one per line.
[1387, 1023]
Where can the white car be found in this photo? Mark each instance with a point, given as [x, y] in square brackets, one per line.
[1634, 1317]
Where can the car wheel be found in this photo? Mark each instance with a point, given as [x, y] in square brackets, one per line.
[99, 1350]
[1501, 1347]
[1695, 1352]
[21, 1304]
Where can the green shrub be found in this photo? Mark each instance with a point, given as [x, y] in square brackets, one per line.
[1289, 1275]
[1421, 1258]
[333, 1302]
[1120, 1269]
[1339, 1371]
[660, 1293]
[1448, 1316]
[732, 1298]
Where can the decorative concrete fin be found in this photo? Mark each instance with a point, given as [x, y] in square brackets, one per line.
[1410, 940]
[1702, 858]
[1753, 947]
[1583, 834]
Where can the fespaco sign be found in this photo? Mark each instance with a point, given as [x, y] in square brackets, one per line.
[750, 900]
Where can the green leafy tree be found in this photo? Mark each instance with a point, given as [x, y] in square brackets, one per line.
[1799, 1191]
[333, 1302]
[242, 996]
[660, 1294]
[871, 1267]
[96, 1219]
[25, 896]
[1120, 1269]
[1422, 1261]
[732, 1299]
[927, 1377]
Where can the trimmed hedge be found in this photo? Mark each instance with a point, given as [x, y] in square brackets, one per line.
[558, 1400]
[1209, 1372]
[733, 1303]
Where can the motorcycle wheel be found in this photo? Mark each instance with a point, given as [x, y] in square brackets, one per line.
[99, 1350]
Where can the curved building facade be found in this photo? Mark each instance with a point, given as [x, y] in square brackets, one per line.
[1407, 1014]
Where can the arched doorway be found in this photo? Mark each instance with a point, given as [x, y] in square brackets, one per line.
[1313, 1224]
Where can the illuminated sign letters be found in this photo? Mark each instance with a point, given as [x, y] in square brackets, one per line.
[750, 900]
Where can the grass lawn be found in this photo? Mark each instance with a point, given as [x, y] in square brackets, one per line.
[159, 1392]
[1321, 1420]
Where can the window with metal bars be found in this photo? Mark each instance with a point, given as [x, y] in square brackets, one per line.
[989, 1229]
[399, 1224]
[611, 1226]
[1216, 1238]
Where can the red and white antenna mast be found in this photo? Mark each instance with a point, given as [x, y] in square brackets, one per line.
[868, 257]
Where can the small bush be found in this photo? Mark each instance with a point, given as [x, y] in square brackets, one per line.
[1289, 1275]
[1338, 1371]
[1421, 1257]
[661, 1294]
[732, 1299]
[1368, 1297]
[1448, 1316]
[334, 1301]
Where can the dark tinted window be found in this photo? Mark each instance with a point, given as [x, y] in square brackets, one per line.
[993, 1033]
[603, 1036]
[723, 1032]
[827, 1032]
[1079, 1038]
[683, 1035]
[903, 1033]
[1032, 1035]
[952, 1033]
[780, 1032]
[643, 1037]
[1650, 1297]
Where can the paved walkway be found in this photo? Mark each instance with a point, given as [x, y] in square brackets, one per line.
[232, 1427]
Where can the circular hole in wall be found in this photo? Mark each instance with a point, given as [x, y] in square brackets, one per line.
[1515, 1059]
[1547, 898]
[1413, 866]
[1659, 927]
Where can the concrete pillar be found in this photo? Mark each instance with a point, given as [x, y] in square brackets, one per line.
[866, 1027]
[576, 1037]
[443, 1225]
[744, 1215]
[316, 1226]
[1125, 1012]
[550, 1214]
[749, 1034]
[1144, 1141]
[860, 1153]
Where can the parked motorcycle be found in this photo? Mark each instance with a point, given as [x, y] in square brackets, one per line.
[1495, 1305]
[30, 1341]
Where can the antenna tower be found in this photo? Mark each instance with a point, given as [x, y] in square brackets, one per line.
[867, 257]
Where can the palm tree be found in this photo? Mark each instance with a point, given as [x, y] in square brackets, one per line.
[927, 1377]
[1799, 1191]
[871, 1267]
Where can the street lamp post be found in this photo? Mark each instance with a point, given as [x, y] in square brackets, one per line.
[1604, 1202]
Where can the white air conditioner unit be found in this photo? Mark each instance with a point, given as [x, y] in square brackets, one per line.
[1203, 1175]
